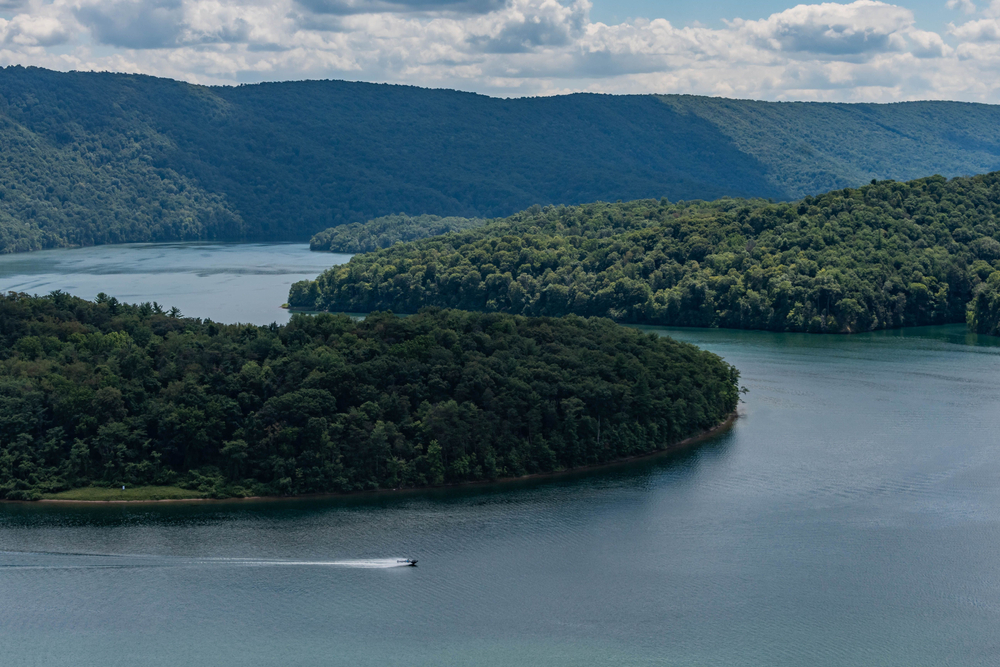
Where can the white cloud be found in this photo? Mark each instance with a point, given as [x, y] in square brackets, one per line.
[526, 25]
[134, 24]
[966, 6]
[832, 29]
[345, 7]
[862, 50]
[31, 31]
[983, 30]
[925, 44]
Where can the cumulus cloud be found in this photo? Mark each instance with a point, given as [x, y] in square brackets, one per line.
[924, 44]
[134, 24]
[966, 6]
[983, 30]
[832, 29]
[26, 30]
[861, 50]
[527, 26]
[345, 7]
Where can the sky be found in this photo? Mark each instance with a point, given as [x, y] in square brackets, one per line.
[928, 14]
[864, 50]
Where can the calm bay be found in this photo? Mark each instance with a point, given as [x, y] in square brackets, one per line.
[226, 282]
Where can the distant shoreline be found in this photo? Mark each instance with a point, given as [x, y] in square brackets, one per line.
[722, 427]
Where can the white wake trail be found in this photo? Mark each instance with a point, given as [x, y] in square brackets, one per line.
[369, 563]
[104, 560]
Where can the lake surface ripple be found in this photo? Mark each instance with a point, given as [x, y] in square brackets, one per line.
[227, 282]
[850, 517]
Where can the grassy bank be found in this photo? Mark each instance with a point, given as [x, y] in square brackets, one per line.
[101, 493]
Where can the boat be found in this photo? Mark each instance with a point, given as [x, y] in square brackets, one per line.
[408, 561]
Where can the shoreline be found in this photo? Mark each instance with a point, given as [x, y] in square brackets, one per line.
[292, 310]
[681, 445]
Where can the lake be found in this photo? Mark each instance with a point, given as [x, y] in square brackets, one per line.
[851, 516]
[227, 282]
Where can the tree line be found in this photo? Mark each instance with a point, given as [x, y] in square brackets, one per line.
[386, 231]
[885, 255]
[107, 393]
[984, 311]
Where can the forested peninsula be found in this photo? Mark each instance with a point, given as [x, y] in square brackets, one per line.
[386, 231]
[108, 393]
[96, 157]
[888, 254]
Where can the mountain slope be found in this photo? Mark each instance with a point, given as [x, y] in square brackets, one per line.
[103, 158]
[811, 147]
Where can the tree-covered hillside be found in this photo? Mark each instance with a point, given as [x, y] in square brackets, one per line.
[885, 255]
[984, 311]
[813, 147]
[102, 158]
[109, 393]
[386, 231]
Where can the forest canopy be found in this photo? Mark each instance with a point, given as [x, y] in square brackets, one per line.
[388, 230]
[108, 393]
[95, 157]
[984, 311]
[884, 255]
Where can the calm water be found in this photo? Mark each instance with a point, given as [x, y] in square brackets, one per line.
[850, 517]
[227, 282]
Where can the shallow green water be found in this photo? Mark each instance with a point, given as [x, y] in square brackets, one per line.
[850, 517]
[227, 282]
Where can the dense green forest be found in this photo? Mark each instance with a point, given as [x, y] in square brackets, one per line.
[386, 231]
[110, 393]
[93, 158]
[984, 311]
[884, 255]
[813, 147]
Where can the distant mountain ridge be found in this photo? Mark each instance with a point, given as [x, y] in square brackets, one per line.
[90, 158]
